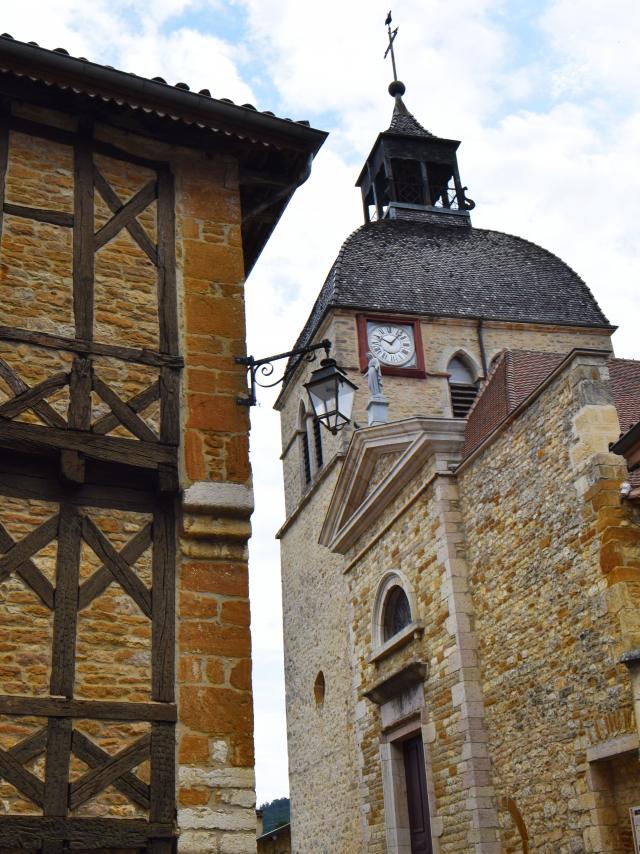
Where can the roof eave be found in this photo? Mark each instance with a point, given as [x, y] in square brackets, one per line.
[61, 69]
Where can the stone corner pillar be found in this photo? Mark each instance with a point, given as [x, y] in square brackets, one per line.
[216, 782]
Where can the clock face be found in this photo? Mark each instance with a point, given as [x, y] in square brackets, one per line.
[392, 344]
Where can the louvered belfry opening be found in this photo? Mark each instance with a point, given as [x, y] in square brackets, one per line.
[462, 388]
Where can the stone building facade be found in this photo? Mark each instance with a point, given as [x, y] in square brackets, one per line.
[132, 211]
[460, 582]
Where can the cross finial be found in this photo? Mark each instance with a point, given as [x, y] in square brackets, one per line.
[396, 88]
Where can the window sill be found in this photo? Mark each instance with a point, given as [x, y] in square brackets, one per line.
[413, 631]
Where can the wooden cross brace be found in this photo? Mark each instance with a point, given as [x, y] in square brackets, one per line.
[125, 215]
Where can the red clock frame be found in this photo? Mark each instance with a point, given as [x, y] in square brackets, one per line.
[363, 344]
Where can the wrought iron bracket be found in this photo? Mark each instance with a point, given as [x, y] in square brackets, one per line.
[265, 368]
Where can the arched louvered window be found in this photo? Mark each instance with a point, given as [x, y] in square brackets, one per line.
[317, 444]
[462, 387]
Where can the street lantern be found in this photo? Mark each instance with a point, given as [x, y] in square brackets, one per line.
[330, 392]
[331, 395]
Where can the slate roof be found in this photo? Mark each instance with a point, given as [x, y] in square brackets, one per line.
[402, 121]
[398, 266]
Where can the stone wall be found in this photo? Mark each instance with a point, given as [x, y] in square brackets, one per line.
[545, 531]
[442, 338]
[464, 805]
[323, 769]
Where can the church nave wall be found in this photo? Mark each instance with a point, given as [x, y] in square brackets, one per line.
[548, 633]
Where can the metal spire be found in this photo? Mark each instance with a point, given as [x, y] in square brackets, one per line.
[396, 87]
[392, 36]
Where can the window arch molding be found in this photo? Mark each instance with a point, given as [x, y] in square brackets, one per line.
[464, 377]
[467, 360]
[390, 580]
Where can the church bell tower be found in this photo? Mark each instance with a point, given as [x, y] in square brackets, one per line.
[412, 174]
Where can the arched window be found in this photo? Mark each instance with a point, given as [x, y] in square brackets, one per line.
[462, 387]
[305, 453]
[397, 612]
[394, 610]
[311, 451]
[317, 444]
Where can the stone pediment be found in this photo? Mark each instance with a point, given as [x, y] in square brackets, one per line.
[379, 463]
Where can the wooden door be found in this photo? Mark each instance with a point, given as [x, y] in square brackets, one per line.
[417, 802]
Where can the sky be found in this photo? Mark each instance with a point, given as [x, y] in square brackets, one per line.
[543, 94]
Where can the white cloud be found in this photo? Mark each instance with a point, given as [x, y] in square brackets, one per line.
[596, 45]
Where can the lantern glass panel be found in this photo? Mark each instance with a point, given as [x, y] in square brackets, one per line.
[331, 395]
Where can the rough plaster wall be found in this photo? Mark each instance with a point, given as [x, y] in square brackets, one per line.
[322, 774]
[547, 640]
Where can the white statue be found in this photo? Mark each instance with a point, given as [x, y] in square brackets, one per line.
[374, 376]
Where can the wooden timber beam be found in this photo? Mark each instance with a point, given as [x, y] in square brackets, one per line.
[92, 348]
[27, 437]
[101, 710]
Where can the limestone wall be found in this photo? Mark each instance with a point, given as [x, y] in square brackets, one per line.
[426, 542]
[544, 531]
[323, 769]
[442, 338]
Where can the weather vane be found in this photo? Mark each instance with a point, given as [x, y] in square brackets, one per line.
[392, 36]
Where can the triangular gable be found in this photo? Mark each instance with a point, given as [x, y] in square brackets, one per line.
[380, 461]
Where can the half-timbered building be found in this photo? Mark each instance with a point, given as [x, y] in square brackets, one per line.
[131, 211]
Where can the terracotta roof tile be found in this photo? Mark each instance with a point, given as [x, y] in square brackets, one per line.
[625, 384]
[152, 95]
[516, 375]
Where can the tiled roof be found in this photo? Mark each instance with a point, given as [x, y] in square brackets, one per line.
[514, 377]
[59, 69]
[518, 373]
[625, 384]
[397, 266]
[402, 121]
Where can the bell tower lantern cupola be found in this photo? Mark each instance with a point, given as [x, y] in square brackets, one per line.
[410, 173]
